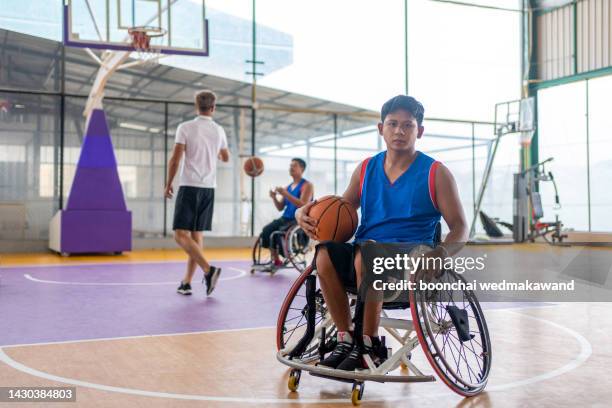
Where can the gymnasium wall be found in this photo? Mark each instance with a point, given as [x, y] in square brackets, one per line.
[574, 39]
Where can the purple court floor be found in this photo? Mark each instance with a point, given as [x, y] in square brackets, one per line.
[76, 302]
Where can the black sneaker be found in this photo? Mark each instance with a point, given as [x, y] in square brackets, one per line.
[184, 289]
[211, 279]
[338, 355]
[355, 361]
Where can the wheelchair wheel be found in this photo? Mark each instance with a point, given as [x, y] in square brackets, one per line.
[292, 320]
[260, 255]
[453, 333]
[299, 248]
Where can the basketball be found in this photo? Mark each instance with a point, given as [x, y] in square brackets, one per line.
[337, 219]
[253, 166]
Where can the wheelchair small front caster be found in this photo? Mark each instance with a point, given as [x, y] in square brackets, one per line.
[357, 393]
[252, 271]
[294, 380]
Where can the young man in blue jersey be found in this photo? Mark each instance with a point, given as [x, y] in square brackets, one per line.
[295, 195]
[402, 194]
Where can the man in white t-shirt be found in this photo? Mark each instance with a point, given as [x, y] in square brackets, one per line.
[202, 142]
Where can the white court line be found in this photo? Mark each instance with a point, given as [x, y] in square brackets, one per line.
[241, 273]
[585, 352]
[583, 355]
[142, 336]
[179, 261]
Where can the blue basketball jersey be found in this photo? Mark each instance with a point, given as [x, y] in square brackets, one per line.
[290, 208]
[402, 211]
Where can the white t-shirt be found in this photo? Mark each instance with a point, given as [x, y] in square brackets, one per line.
[203, 139]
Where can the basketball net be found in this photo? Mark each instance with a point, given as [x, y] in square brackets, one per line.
[526, 137]
[141, 40]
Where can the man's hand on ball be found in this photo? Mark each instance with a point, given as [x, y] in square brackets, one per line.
[308, 224]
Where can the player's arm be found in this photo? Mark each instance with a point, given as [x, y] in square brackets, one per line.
[351, 194]
[224, 155]
[279, 204]
[305, 196]
[449, 204]
[173, 165]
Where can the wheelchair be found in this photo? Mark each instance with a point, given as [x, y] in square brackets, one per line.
[295, 249]
[450, 328]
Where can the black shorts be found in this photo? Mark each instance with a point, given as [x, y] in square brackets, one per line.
[193, 210]
[280, 224]
[342, 256]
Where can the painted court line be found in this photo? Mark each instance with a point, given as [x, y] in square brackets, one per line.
[241, 273]
[142, 336]
[102, 263]
[583, 355]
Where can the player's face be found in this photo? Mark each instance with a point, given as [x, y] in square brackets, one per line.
[295, 169]
[400, 130]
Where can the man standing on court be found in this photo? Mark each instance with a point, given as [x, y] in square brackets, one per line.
[202, 142]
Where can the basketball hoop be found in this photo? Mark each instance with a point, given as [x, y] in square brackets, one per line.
[141, 41]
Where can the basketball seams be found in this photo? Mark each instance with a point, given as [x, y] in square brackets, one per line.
[324, 199]
[349, 215]
[337, 219]
[333, 231]
[327, 208]
[251, 167]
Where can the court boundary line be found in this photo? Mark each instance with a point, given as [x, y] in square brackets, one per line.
[106, 263]
[141, 336]
[584, 354]
[241, 273]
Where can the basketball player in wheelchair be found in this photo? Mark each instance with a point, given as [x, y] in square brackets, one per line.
[275, 235]
[402, 194]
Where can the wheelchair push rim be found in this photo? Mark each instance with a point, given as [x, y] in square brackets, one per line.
[463, 366]
[300, 256]
[258, 250]
[293, 311]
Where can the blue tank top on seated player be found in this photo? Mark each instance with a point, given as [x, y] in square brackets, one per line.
[402, 211]
[290, 208]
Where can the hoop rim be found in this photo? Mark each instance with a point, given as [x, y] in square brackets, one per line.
[150, 31]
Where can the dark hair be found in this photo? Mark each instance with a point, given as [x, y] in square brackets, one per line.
[301, 162]
[403, 102]
[205, 100]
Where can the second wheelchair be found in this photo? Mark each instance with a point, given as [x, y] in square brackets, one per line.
[294, 248]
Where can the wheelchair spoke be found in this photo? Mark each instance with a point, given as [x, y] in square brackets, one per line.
[465, 364]
[458, 370]
[463, 355]
[464, 348]
[293, 318]
[478, 358]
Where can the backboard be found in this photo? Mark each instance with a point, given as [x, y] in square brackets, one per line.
[104, 24]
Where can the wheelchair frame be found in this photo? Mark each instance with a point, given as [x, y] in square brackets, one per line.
[299, 354]
[288, 255]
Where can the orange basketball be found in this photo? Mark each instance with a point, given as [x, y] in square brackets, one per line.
[253, 166]
[337, 219]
